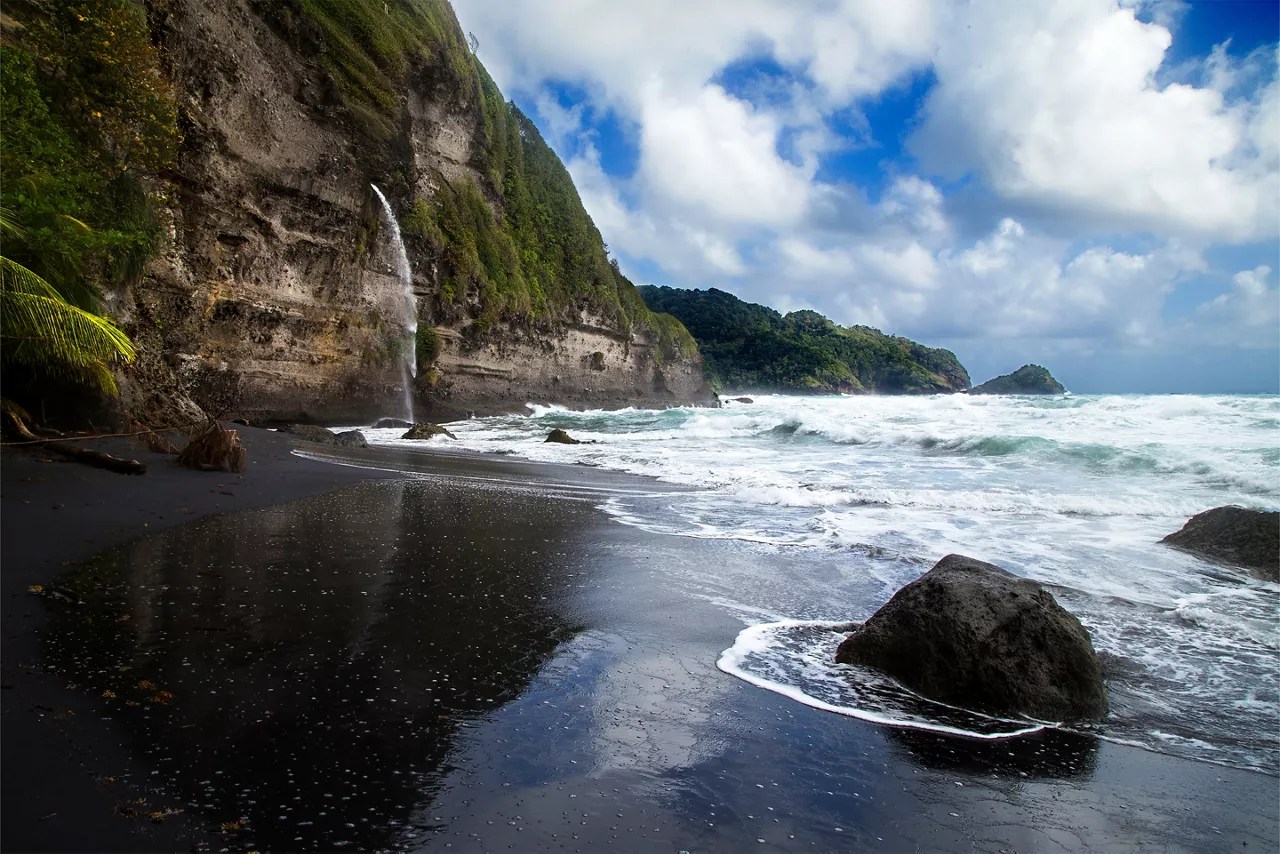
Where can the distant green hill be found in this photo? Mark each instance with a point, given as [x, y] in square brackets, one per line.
[751, 347]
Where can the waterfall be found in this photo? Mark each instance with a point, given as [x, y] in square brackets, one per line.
[409, 306]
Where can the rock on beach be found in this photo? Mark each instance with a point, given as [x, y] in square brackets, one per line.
[970, 634]
[1234, 535]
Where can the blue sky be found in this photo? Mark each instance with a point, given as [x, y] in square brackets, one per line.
[1093, 185]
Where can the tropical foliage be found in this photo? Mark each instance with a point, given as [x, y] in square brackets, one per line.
[43, 333]
[750, 347]
[88, 121]
[88, 118]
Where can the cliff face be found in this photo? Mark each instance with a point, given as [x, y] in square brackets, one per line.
[275, 295]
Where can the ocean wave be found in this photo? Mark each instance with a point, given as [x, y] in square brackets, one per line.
[866, 492]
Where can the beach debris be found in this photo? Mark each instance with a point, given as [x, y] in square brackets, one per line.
[1234, 535]
[14, 423]
[155, 442]
[558, 435]
[972, 635]
[57, 594]
[214, 448]
[426, 430]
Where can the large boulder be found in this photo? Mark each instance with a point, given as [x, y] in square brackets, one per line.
[1029, 379]
[426, 431]
[1234, 535]
[970, 634]
[561, 437]
[350, 439]
[310, 433]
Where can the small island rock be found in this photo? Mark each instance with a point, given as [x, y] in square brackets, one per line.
[742, 399]
[425, 431]
[388, 423]
[558, 435]
[970, 634]
[1234, 535]
[1029, 379]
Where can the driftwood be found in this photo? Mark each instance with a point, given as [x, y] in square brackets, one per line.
[154, 441]
[97, 459]
[214, 448]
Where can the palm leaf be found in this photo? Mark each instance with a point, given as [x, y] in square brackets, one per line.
[44, 332]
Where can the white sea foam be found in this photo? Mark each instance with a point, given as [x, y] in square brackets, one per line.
[1075, 492]
[783, 657]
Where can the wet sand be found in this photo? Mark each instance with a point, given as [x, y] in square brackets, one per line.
[473, 657]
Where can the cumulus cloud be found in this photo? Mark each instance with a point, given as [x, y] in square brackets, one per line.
[1067, 114]
[712, 153]
[1061, 184]
[1247, 315]
[1010, 284]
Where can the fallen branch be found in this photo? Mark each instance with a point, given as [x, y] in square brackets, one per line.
[97, 459]
[55, 436]
[154, 441]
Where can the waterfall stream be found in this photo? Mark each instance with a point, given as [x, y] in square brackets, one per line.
[408, 307]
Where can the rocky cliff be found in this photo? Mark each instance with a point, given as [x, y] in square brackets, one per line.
[274, 293]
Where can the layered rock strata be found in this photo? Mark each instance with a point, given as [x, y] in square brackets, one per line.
[275, 296]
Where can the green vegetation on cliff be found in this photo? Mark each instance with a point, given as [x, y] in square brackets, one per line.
[1029, 379]
[515, 246]
[750, 347]
[89, 122]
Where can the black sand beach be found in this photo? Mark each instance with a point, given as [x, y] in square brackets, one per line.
[324, 657]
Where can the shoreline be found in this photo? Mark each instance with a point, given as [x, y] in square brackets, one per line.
[669, 740]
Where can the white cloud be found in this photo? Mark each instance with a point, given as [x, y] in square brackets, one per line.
[710, 154]
[690, 252]
[1103, 176]
[1247, 315]
[855, 48]
[1056, 104]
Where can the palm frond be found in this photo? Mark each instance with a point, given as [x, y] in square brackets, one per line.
[41, 330]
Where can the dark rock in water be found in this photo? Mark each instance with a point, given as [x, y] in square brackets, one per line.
[386, 423]
[426, 431]
[1029, 379]
[970, 634]
[350, 439]
[742, 400]
[1234, 535]
[325, 436]
[310, 433]
[558, 435]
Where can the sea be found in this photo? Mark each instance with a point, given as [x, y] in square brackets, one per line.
[840, 501]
